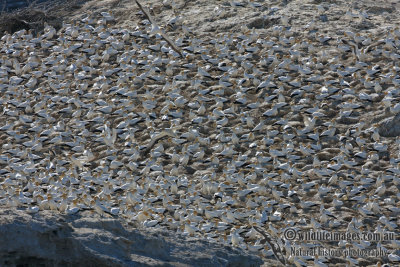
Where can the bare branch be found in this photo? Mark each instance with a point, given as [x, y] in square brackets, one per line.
[275, 248]
[162, 33]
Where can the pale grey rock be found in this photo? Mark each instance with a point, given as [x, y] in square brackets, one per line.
[390, 127]
[48, 239]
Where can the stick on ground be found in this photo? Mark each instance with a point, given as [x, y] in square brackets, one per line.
[162, 33]
[275, 248]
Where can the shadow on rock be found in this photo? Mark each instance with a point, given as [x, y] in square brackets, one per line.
[390, 127]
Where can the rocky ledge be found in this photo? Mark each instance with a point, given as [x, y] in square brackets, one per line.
[47, 239]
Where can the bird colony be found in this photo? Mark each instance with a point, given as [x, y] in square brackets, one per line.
[235, 132]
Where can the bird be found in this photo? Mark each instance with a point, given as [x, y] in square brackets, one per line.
[108, 16]
[393, 257]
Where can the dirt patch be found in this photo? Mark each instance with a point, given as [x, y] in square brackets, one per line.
[35, 16]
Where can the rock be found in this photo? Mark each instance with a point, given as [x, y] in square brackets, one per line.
[47, 239]
[323, 18]
[390, 127]
[262, 22]
[347, 120]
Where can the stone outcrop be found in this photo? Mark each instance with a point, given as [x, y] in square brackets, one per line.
[47, 239]
[390, 127]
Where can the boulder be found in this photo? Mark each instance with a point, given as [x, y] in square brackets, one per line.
[390, 127]
[49, 239]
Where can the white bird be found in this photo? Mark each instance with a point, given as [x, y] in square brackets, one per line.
[236, 239]
[115, 211]
[109, 136]
[71, 210]
[155, 29]
[108, 16]
[393, 257]
[271, 112]
[203, 73]
[33, 210]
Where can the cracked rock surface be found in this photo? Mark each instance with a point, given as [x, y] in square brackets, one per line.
[47, 239]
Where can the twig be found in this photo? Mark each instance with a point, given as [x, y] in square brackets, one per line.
[185, 4]
[163, 35]
[275, 248]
